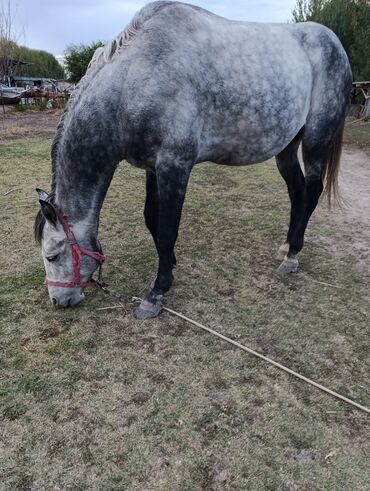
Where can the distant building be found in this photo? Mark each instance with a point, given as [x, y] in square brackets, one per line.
[30, 82]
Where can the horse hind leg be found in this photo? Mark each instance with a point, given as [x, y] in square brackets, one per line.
[321, 149]
[315, 161]
[321, 142]
[289, 167]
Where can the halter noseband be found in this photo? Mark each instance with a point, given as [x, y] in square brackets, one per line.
[77, 254]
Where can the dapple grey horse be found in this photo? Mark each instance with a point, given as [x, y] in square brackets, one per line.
[177, 87]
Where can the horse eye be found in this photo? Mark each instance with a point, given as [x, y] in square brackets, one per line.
[52, 258]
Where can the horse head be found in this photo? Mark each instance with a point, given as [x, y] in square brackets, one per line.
[68, 256]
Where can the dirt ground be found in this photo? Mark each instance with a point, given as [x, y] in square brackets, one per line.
[15, 123]
[355, 213]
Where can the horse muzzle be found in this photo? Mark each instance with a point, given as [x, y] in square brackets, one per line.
[65, 297]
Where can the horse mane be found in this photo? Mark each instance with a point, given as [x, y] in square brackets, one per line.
[101, 57]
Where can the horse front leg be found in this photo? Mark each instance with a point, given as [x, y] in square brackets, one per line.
[172, 180]
[151, 208]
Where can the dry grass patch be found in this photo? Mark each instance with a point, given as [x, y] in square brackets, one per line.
[96, 400]
[358, 135]
[7, 133]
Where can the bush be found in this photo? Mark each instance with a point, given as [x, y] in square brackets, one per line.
[350, 20]
[77, 59]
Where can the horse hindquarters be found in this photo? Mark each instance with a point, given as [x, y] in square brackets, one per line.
[322, 133]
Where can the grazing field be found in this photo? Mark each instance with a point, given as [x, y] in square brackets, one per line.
[96, 400]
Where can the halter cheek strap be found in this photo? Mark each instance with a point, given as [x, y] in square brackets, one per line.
[77, 255]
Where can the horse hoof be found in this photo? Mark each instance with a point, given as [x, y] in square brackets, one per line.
[289, 265]
[282, 252]
[148, 310]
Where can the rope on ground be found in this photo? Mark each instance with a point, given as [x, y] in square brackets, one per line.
[254, 353]
[268, 360]
[322, 282]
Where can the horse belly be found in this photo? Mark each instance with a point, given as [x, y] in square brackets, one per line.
[259, 101]
[253, 132]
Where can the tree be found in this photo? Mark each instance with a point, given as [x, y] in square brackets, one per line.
[307, 10]
[77, 59]
[350, 20]
[8, 39]
[40, 63]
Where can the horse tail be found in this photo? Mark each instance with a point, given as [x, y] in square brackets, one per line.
[331, 171]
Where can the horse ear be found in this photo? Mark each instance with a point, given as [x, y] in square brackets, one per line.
[47, 208]
[43, 195]
[49, 212]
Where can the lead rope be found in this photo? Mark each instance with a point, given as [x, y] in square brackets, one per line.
[269, 360]
[242, 347]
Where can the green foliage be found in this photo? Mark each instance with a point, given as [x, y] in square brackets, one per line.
[307, 10]
[350, 20]
[77, 59]
[42, 63]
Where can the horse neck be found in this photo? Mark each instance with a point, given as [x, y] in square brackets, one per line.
[84, 157]
[80, 190]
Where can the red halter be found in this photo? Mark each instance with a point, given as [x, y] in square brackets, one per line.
[77, 254]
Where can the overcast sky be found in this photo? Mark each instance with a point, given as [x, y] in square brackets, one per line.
[53, 24]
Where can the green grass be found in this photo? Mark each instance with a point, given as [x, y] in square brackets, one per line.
[96, 400]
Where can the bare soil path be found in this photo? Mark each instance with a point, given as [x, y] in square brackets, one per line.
[15, 123]
[355, 214]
